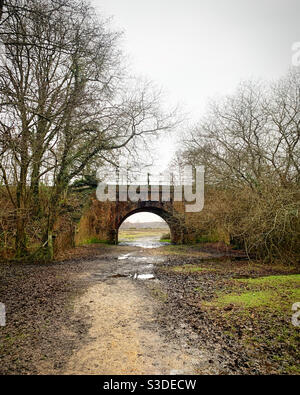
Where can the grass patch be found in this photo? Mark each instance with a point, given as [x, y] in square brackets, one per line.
[134, 234]
[258, 311]
[273, 281]
[191, 269]
[246, 299]
[165, 238]
[275, 292]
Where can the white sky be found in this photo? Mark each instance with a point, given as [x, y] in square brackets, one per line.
[197, 49]
[144, 217]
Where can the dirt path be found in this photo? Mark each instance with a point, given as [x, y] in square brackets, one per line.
[131, 309]
[96, 314]
[124, 337]
[131, 330]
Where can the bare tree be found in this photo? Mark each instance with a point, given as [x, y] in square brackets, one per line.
[250, 146]
[1, 8]
[65, 102]
[251, 136]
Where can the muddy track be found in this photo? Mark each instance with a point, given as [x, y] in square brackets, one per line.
[122, 310]
[125, 336]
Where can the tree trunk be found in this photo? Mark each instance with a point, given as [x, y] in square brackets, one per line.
[34, 191]
[20, 241]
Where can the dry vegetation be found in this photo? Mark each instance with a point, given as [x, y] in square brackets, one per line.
[67, 107]
[250, 146]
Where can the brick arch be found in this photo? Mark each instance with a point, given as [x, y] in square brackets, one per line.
[101, 220]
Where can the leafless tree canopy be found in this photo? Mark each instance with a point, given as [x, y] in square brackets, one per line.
[250, 146]
[252, 135]
[65, 99]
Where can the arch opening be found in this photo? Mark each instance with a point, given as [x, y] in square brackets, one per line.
[144, 228]
[148, 223]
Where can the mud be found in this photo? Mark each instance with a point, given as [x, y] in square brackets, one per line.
[122, 310]
[125, 337]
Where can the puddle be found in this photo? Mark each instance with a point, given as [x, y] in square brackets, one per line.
[146, 276]
[135, 276]
[128, 266]
[144, 244]
[122, 257]
[147, 267]
[141, 259]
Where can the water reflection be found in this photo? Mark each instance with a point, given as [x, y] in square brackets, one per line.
[145, 276]
[122, 257]
[144, 243]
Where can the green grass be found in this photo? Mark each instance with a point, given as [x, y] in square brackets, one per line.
[273, 281]
[247, 299]
[134, 234]
[263, 304]
[274, 292]
[190, 269]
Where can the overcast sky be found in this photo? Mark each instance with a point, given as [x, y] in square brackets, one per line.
[197, 49]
